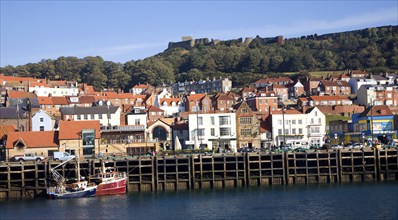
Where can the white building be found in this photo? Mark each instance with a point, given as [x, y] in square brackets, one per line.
[301, 129]
[170, 106]
[356, 83]
[107, 115]
[203, 86]
[212, 130]
[42, 121]
[42, 89]
[137, 117]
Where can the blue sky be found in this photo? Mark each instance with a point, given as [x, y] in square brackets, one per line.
[121, 31]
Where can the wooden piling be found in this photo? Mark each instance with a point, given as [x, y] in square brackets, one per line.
[30, 179]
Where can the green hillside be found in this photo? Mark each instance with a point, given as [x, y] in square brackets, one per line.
[372, 49]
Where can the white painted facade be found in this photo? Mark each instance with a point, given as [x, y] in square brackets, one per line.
[114, 119]
[137, 117]
[42, 121]
[356, 83]
[55, 92]
[301, 130]
[213, 129]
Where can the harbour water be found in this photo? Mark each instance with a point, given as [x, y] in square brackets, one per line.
[321, 201]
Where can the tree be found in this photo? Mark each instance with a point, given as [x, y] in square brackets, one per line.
[117, 78]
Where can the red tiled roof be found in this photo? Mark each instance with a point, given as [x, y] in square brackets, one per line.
[43, 100]
[169, 100]
[60, 101]
[114, 95]
[5, 129]
[39, 84]
[195, 97]
[153, 108]
[287, 112]
[273, 80]
[71, 130]
[142, 86]
[329, 83]
[33, 139]
[19, 95]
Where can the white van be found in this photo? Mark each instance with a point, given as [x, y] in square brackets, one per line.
[62, 156]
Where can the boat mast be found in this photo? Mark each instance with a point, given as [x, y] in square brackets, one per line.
[78, 168]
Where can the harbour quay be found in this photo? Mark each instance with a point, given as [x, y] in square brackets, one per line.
[182, 172]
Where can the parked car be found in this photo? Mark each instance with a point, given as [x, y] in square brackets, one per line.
[245, 149]
[28, 157]
[354, 145]
[337, 146]
[62, 156]
[300, 149]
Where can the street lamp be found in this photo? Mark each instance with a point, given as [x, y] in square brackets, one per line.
[146, 139]
[283, 122]
[363, 138]
[371, 119]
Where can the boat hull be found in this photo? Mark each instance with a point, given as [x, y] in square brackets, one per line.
[117, 186]
[88, 192]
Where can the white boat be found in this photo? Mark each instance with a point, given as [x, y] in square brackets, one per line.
[77, 189]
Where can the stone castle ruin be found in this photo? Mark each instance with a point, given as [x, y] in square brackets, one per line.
[188, 42]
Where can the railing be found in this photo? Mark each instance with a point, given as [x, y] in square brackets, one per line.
[123, 128]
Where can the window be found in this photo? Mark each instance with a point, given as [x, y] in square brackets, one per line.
[286, 131]
[201, 132]
[85, 117]
[200, 121]
[41, 119]
[88, 138]
[312, 120]
[92, 116]
[212, 120]
[300, 121]
[280, 131]
[279, 122]
[246, 121]
[300, 131]
[293, 131]
[293, 122]
[100, 116]
[245, 132]
[319, 121]
[315, 130]
[225, 131]
[212, 132]
[137, 121]
[316, 113]
[244, 110]
[79, 117]
[225, 120]
[41, 128]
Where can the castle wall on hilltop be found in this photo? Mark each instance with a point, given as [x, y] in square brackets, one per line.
[188, 42]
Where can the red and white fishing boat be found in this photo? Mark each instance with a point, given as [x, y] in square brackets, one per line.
[110, 182]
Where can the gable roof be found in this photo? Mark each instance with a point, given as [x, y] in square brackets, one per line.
[5, 129]
[153, 108]
[21, 95]
[195, 97]
[376, 110]
[11, 113]
[31, 140]
[71, 130]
